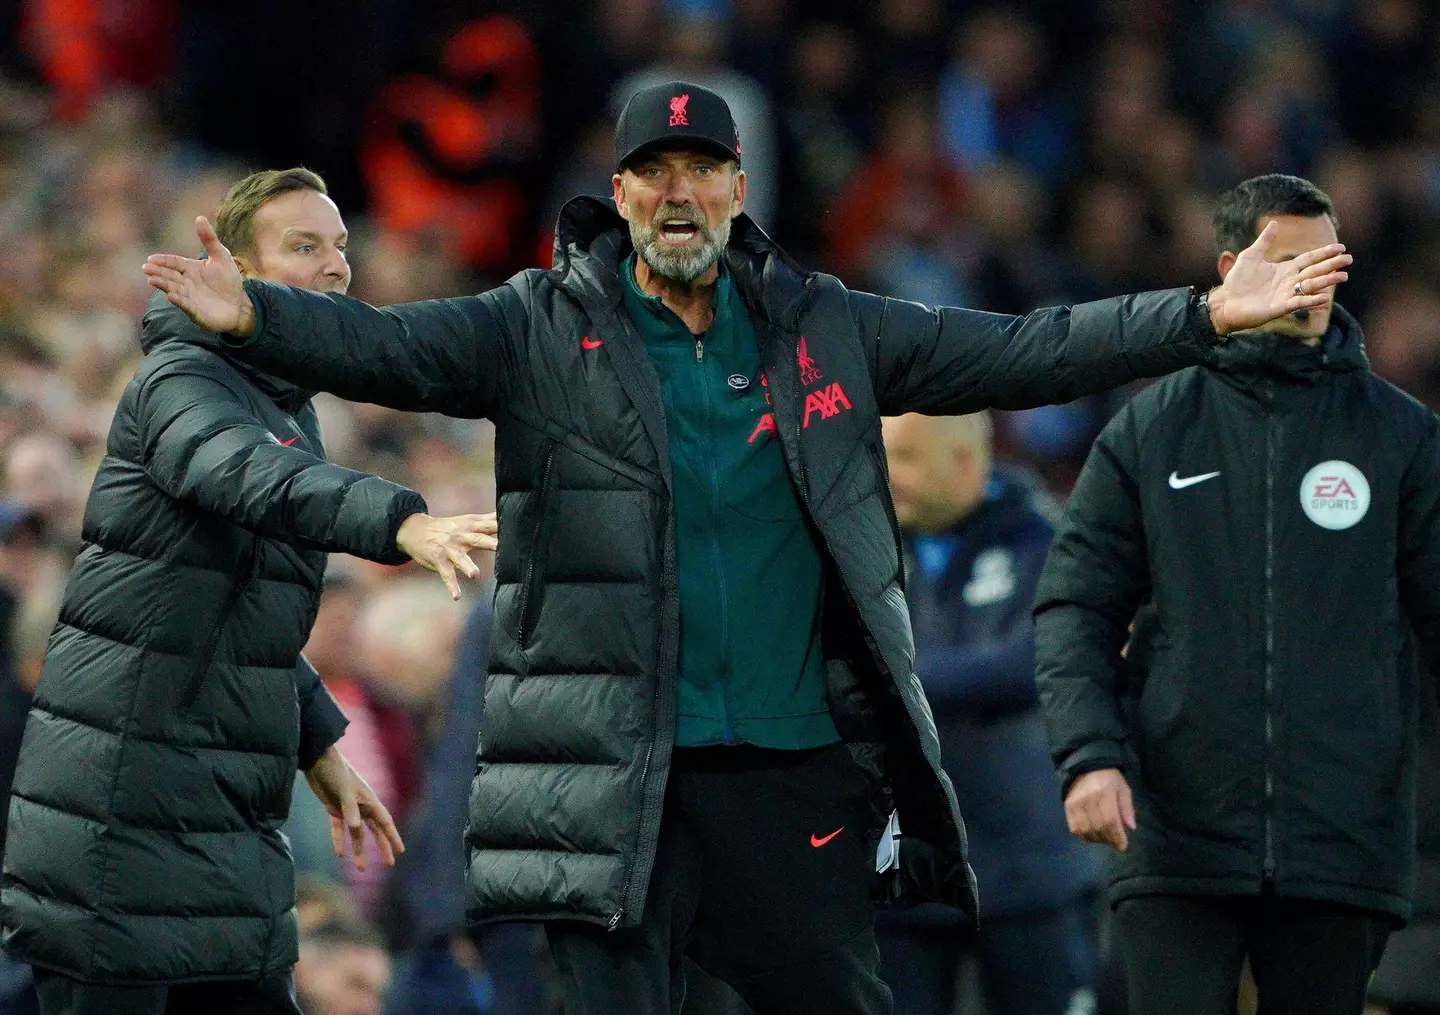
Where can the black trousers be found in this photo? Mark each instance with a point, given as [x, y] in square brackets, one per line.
[1043, 962]
[1183, 954]
[763, 877]
[274, 995]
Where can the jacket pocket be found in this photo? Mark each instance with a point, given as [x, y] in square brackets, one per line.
[244, 575]
[532, 589]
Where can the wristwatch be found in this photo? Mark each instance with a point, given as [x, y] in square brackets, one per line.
[1202, 304]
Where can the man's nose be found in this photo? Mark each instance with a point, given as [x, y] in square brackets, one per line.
[679, 191]
[335, 265]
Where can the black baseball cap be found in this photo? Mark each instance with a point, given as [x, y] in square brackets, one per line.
[676, 112]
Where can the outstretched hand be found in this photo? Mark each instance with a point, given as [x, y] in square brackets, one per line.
[212, 291]
[444, 544]
[1257, 291]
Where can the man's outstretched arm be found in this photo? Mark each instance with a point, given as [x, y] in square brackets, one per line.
[445, 355]
[951, 360]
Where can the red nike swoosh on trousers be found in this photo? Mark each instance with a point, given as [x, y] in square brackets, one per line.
[818, 841]
[591, 343]
[286, 444]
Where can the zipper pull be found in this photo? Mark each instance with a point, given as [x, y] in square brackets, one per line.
[699, 349]
[615, 919]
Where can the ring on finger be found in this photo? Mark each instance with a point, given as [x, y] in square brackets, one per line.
[1299, 289]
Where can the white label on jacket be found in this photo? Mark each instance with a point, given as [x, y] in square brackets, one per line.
[1335, 495]
[992, 579]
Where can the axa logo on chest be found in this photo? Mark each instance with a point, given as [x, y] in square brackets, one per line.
[1335, 495]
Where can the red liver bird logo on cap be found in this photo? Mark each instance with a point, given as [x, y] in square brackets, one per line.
[677, 110]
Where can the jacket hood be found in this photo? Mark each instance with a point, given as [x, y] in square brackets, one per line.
[164, 322]
[592, 241]
[1257, 354]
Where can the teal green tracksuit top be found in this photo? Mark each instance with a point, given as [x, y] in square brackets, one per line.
[748, 562]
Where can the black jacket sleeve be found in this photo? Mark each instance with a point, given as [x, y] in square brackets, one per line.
[201, 443]
[321, 721]
[1418, 546]
[949, 360]
[447, 355]
[1096, 576]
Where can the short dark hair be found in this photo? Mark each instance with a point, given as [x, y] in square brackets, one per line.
[235, 218]
[1243, 205]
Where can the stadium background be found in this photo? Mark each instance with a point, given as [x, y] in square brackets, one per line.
[1003, 156]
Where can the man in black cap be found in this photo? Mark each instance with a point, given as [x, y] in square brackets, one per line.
[701, 708]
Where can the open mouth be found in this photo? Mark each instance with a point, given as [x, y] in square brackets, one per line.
[678, 231]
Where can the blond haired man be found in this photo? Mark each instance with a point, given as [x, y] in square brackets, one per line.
[144, 870]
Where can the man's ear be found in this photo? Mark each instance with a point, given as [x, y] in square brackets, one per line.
[1225, 263]
[737, 199]
[621, 204]
[245, 266]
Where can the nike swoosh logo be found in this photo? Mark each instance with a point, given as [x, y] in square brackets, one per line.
[818, 841]
[1176, 483]
[591, 343]
[286, 444]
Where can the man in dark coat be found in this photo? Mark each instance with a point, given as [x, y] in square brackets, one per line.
[702, 706]
[1277, 516]
[144, 859]
[976, 533]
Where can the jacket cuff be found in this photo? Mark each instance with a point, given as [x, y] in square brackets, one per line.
[241, 341]
[322, 723]
[1090, 758]
[406, 503]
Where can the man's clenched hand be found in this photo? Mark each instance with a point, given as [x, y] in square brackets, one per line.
[1257, 291]
[444, 544]
[211, 291]
[1099, 808]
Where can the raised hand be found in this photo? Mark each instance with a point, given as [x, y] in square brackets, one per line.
[1257, 291]
[444, 544]
[211, 291]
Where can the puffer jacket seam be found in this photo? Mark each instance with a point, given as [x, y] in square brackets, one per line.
[107, 871]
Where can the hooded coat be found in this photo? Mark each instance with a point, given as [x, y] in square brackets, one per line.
[580, 704]
[1278, 518]
[173, 705]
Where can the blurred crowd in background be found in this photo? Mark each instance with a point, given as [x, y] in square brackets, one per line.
[1001, 156]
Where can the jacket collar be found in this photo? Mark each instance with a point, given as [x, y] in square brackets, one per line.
[1257, 355]
[164, 322]
[592, 242]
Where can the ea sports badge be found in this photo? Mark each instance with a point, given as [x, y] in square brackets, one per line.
[1335, 495]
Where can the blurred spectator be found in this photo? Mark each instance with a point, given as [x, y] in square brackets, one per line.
[823, 139]
[442, 970]
[975, 541]
[901, 222]
[994, 102]
[343, 969]
[447, 156]
[691, 50]
[1408, 980]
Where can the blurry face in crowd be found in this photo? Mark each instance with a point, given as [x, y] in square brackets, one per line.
[344, 980]
[937, 471]
[679, 205]
[300, 240]
[1295, 235]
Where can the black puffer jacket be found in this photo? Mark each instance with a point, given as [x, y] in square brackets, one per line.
[1280, 514]
[580, 703]
[173, 702]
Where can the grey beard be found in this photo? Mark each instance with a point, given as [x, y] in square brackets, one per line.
[680, 265]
